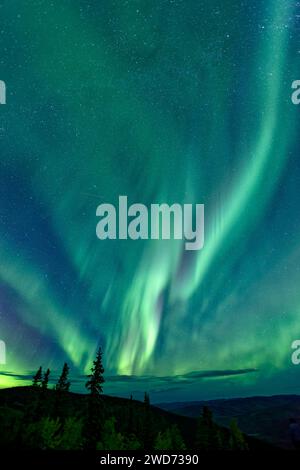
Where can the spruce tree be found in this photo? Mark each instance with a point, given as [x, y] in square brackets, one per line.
[61, 388]
[206, 434]
[38, 404]
[130, 416]
[96, 379]
[94, 421]
[148, 431]
[63, 383]
[37, 379]
[147, 399]
[45, 379]
[169, 439]
[32, 408]
[237, 439]
[207, 416]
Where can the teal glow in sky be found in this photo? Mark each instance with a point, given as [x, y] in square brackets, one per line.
[163, 101]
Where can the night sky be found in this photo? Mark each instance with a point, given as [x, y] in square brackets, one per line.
[164, 101]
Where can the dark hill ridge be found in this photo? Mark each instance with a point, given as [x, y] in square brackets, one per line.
[16, 399]
[265, 417]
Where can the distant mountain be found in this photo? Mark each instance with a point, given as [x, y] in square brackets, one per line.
[263, 417]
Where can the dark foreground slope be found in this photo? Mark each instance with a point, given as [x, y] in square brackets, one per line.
[129, 418]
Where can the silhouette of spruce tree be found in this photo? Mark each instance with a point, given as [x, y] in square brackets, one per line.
[63, 384]
[237, 439]
[96, 379]
[130, 416]
[61, 389]
[169, 439]
[36, 406]
[44, 401]
[94, 420]
[31, 409]
[206, 435]
[148, 432]
[38, 377]
[45, 379]
[207, 416]
[147, 399]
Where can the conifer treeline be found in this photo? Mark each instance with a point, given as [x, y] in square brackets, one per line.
[49, 421]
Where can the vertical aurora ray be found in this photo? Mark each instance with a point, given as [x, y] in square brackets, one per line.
[264, 161]
[254, 186]
[142, 308]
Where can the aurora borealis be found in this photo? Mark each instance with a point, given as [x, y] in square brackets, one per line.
[165, 101]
